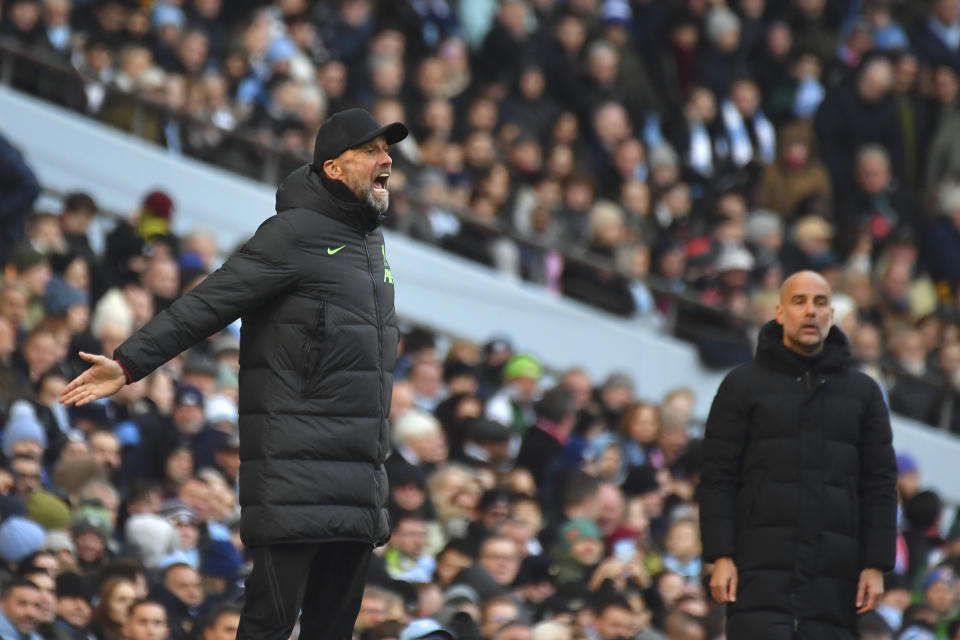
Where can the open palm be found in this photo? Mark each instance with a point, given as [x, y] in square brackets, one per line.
[104, 378]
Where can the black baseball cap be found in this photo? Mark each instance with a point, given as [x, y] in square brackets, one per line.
[351, 128]
[73, 585]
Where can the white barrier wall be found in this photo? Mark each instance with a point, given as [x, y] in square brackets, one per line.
[71, 152]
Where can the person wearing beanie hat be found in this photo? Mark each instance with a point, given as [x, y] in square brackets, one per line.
[579, 547]
[23, 433]
[939, 588]
[425, 629]
[47, 510]
[486, 443]
[577, 530]
[151, 538]
[408, 485]
[91, 533]
[513, 404]
[315, 293]
[19, 537]
[94, 519]
[73, 585]
[73, 604]
[155, 214]
[534, 582]
[60, 297]
[59, 542]
[908, 476]
[522, 366]
[220, 559]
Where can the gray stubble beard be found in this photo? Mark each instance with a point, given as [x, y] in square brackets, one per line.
[366, 197]
[380, 206]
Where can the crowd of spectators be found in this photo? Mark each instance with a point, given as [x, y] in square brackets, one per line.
[525, 504]
[622, 152]
[713, 147]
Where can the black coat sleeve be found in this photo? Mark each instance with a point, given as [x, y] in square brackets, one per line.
[878, 481]
[18, 184]
[723, 447]
[258, 272]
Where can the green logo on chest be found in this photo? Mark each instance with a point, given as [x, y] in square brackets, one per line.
[387, 273]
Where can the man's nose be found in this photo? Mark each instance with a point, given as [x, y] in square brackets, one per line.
[385, 158]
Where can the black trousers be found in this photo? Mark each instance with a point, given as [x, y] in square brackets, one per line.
[773, 626]
[324, 579]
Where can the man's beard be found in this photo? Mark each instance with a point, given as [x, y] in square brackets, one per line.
[380, 205]
[365, 195]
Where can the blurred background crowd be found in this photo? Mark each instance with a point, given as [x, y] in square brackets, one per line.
[663, 160]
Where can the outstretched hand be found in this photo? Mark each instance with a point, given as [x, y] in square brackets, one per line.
[101, 380]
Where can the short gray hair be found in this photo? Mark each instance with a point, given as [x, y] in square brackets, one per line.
[413, 424]
[873, 150]
[721, 21]
[950, 198]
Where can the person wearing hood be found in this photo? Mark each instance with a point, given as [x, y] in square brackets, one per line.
[798, 489]
[578, 551]
[315, 293]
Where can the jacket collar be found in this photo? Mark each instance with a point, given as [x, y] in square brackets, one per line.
[771, 352]
[307, 189]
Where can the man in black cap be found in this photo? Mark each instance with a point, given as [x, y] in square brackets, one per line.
[73, 605]
[486, 443]
[317, 354]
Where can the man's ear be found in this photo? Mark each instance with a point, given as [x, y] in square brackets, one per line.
[332, 169]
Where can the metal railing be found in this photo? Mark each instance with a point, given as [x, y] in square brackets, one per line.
[15, 62]
[708, 318]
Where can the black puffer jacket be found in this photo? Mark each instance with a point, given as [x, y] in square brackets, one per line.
[798, 482]
[318, 347]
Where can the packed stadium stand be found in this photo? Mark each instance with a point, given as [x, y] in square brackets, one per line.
[598, 194]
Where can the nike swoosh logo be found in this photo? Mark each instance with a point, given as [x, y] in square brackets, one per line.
[333, 251]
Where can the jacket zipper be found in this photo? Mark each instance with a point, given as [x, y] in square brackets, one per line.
[318, 322]
[376, 308]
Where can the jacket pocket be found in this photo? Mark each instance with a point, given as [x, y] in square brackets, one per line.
[753, 497]
[312, 350]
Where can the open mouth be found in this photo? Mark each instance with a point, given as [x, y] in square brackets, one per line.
[380, 183]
